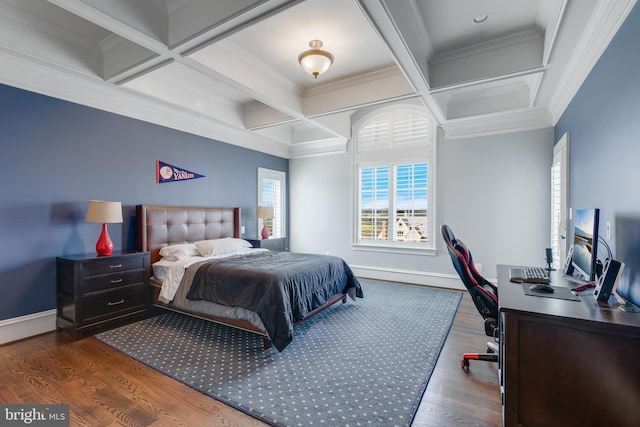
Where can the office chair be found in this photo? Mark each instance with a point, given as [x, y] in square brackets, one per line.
[483, 293]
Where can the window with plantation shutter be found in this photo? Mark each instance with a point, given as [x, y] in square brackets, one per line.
[395, 155]
[555, 213]
[560, 201]
[271, 191]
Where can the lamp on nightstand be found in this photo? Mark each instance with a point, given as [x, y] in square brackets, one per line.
[104, 212]
[265, 212]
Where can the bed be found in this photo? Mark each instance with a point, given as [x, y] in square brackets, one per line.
[260, 291]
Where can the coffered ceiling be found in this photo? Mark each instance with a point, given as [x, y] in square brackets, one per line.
[228, 70]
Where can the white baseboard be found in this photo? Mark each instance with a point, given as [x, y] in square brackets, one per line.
[439, 280]
[21, 327]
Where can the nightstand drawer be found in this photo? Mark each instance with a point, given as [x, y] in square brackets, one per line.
[110, 281]
[109, 265]
[112, 304]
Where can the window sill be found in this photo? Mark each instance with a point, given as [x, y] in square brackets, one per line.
[394, 249]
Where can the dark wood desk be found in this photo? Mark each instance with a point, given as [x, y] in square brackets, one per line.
[567, 363]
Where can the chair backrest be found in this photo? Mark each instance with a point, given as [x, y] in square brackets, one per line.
[447, 234]
[466, 254]
[483, 293]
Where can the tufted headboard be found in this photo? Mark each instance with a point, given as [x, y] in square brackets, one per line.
[159, 226]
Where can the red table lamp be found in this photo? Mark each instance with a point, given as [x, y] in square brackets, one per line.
[265, 212]
[104, 212]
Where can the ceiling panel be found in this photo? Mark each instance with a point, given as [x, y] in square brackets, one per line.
[339, 24]
[451, 25]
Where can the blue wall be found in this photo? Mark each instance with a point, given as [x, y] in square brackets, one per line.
[603, 122]
[56, 155]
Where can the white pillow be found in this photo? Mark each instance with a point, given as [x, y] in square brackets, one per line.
[221, 246]
[178, 252]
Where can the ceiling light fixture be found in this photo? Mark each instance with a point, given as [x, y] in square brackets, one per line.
[480, 19]
[315, 61]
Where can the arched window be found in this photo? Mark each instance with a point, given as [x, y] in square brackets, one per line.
[395, 164]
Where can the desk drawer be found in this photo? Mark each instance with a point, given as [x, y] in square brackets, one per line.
[109, 265]
[111, 281]
[99, 306]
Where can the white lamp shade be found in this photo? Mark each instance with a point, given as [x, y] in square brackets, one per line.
[104, 212]
[315, 63]
[265, 212]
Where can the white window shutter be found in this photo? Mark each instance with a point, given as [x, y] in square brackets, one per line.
[410, 129]
[375, 135]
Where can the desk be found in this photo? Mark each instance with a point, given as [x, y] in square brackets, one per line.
[567, 363]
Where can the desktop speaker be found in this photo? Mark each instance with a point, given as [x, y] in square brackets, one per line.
[605, 286]
[568, 267]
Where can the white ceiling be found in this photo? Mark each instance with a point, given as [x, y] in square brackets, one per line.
[228, 70]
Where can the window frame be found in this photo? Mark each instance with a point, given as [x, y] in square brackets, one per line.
[386, 154]
[277, 226]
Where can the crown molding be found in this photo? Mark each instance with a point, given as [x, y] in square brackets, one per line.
[322, 147]
[380, 75]
[602, 27]
[480, 48]
[498, 123]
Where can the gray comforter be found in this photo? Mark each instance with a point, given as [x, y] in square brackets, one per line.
[281, 287]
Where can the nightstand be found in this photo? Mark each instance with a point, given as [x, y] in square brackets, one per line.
[274, 244]
[96, 293]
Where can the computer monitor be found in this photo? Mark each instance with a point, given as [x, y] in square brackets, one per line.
[627, 229]
[585, 242]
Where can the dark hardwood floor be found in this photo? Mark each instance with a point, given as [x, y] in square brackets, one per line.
[455, 397]
[105, 387]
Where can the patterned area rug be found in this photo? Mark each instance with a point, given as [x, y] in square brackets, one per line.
[362, 363]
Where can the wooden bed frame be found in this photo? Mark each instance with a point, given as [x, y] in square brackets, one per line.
[159, 226]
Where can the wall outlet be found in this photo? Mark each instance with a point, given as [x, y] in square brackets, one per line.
[608, 230]
[242, 229]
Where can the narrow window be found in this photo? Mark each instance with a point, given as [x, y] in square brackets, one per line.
[271, 192]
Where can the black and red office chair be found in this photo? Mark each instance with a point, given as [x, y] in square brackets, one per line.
[483, 293]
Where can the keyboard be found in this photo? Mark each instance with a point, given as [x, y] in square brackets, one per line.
[529, 275]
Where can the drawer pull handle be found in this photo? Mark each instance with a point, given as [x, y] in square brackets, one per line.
[116, 281]
[116, 302]
[115, 266]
